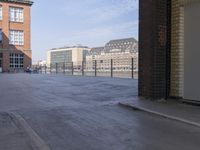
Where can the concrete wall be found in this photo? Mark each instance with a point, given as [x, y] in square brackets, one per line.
[77, 55]
[178, 41]
[192, 52]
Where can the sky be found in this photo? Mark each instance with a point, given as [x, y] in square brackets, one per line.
[58, 23]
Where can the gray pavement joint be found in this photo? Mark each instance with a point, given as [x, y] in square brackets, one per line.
[35, 140]
[139, 108]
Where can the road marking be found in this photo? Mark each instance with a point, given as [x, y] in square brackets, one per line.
[36, 142]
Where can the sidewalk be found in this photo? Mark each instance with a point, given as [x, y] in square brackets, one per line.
[170, 109]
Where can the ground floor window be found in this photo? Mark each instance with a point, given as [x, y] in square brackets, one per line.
[16, 60]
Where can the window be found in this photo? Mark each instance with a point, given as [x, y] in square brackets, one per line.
[1, 13]
[16, 37]
[16, 14]
[16, 60]
[1, 36]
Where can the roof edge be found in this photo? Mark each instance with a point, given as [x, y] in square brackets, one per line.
[27, 2]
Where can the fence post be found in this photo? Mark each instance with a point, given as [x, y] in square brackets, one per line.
[50, 68]
[45, 69]
[132, 68]
[64, 68]
[56, 68]
[72, 68]
[82, 68]
[95, 67]
[111, 68]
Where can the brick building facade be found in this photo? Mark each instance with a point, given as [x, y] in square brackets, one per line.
[169, 49]
[153, 49]
[15, 42]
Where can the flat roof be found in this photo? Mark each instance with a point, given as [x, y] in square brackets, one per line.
[68, 47]
[28, 2]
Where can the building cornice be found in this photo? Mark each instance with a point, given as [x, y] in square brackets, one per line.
[26, 2]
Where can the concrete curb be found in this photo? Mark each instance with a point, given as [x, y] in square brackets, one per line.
[159, 114]
[36, 142]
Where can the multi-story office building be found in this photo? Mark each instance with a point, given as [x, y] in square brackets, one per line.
[76, 54]
[15, 43]
[122, 52]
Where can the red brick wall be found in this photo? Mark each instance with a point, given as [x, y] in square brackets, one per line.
[6, 25]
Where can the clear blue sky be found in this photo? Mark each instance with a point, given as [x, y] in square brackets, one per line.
[57, 23]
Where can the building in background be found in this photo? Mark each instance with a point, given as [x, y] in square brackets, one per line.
[76, 54]
[123, 45]
[119, 58]
[96, 51]
[122, 52]
[41, 63]
[15, 42]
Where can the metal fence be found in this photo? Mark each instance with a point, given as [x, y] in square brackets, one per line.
[126, 68]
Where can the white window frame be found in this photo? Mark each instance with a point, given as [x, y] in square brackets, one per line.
[16, 14]
[16, 37]
[16, 60]
[1, 12]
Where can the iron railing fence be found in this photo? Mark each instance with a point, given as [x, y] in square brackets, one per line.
[123, 68]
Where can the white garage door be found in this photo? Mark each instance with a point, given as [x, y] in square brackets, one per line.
[192, 52]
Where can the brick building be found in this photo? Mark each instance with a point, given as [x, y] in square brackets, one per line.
[15, 42]
[169, 49]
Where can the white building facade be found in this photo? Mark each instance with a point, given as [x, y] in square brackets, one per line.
[76, 54]
[122, 54]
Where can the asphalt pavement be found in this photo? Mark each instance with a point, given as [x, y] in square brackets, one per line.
[56, 112]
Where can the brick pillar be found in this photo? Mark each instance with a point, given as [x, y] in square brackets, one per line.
[153, 48]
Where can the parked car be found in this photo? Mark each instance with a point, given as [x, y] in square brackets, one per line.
[31, 70]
